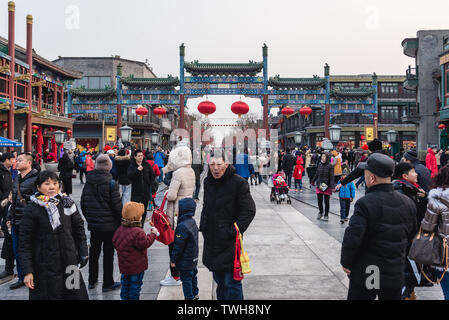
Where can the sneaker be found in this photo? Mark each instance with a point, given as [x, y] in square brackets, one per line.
[320, 215]
[17, 285]
[325, 218]
[197, 297]
[115, 286]
[170, 281]
[92, 286]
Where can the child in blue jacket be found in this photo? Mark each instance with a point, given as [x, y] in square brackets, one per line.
[185, 251]
[346, 195]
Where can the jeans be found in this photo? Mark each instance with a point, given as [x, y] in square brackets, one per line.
[197, 189]
[97, 239]
[227, 287]
[444, 283]
[161, 177]
[360, 292]
[298, 182]
[82, 172]
[259, 176]
[126, 193]
[326, 203]
[359, 182]
[15, 247]
[288, 175]
[189, 283]
[131, 286]
[345, 205]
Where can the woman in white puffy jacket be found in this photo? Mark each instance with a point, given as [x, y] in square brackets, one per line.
[182, 185]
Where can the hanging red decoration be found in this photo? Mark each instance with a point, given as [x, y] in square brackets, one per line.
[287, 111]
[159, 111]
[69, 132]
[365, 147]
[362, 137]
[305, 111]
[239, 108]
[207, 107]
[141, 111]
[442, 126]
[5, 125]
[35, 128]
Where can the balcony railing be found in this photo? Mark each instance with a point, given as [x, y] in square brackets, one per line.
[411, 81]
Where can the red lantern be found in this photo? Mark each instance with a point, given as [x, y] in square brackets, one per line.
[159, 111]
[240, 108]
[287, 111]
[141, 112]
[362, 137]
[442, 126]
[35, 128]
[5, 125]
[365, 147]
[305, 111]
[207, 107]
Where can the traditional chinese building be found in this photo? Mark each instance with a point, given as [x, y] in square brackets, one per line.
[32, 92]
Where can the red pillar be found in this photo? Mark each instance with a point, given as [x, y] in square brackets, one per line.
[39, 98]
[181, 108]
[62, 101]
[327, 120]
[119, 119]
[55, 99]
[12, 65]
[29, 57]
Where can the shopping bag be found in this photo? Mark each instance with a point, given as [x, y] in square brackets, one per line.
[243, 257]
[238, 275]
[162, 224]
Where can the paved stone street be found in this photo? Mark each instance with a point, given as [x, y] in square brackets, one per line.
[292, 256]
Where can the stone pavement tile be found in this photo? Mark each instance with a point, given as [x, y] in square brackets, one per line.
[286, 287]
[289, 266]
[263, 252]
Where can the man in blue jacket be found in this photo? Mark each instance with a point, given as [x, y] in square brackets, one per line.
[346, 195]
[159, 157]
[185, 251]
[242, 165]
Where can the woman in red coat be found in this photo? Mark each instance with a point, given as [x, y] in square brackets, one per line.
[431, 160]
[298, 172]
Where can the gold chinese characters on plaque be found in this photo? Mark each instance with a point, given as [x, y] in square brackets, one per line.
[111, 133]
[369, 133]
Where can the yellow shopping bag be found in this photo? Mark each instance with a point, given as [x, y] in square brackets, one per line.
[244, 258]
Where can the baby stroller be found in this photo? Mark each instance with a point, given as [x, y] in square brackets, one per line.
[279, 190]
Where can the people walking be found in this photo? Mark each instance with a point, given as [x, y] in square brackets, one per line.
[325, 183]
[23, 188]
[298, 174]
[346, 195]
[243, 165]
[54, 219]
[159, 158]
[122, 162]
[65, 168]
[157, 173]
[81, 162]
[184, 255]
[197, 168]
[102, 207]
[182, 185]
[337, 165]
[131, 244]
[227, 199]
[431, 160]
[378, 236]
[288, 163]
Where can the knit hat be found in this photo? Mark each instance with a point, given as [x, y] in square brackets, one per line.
[103, 162]
[107, 147]
[411, 155]
[133, 211]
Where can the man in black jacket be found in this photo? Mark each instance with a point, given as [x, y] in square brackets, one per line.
[23, 188]
[122, 162]
[102, 207]
[288, 164]
[6, 161]
[376, 242]
[424, 177]
[227, 199]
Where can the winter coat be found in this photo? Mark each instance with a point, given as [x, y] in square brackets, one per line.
[6, 183]
[346, 191]
[308, 158]
[243, 166]
[122, 164]
[90, 165]
[65, 167]
[424, 178]
[379, 234]
[288, 163]
[182, 184]
[185, 250]
[101, 202]
[431, 162]
[159, 159]
[155, 167]
[142, 181]
[299, 169]
[411, 191]
[131, 244]
[324, 173]
[226, 200]
[337, 164]
[46, 253]
[27, 189]
[436, 218]
[198, 168]
[113, 171]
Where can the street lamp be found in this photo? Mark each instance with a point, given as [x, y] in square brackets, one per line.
[125, 133]
[59, 139]
[392, 135]
[335, 133]
[298, 138]
[155, 138]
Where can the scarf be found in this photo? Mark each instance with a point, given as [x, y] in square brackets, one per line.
[51, 206]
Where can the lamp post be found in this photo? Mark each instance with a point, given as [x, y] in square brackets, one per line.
[298, 139]
[59, 139]
[125, 134]
[335, 133]
[392, 136]
[155, 139]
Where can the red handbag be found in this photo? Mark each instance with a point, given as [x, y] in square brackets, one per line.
[162, 224]
[238, 275]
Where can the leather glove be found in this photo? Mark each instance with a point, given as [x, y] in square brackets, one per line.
[83, 262]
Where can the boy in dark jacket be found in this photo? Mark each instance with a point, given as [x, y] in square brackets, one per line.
[185, 251]
[131, 244]
[346, 195]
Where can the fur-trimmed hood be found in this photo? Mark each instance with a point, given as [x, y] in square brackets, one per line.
[120, 158]
[179, 157]
[436, 194]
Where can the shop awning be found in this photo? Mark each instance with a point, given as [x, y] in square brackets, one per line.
[9, 143]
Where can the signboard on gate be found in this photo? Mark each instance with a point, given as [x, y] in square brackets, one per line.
[369, 133]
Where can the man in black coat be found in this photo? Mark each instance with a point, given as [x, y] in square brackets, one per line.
[6, 161]
[424, 177]
[142, 178]
[102, 207]
[23, 188]
[377, 240]
[122, 162]
[227, 199]
[288, 164]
